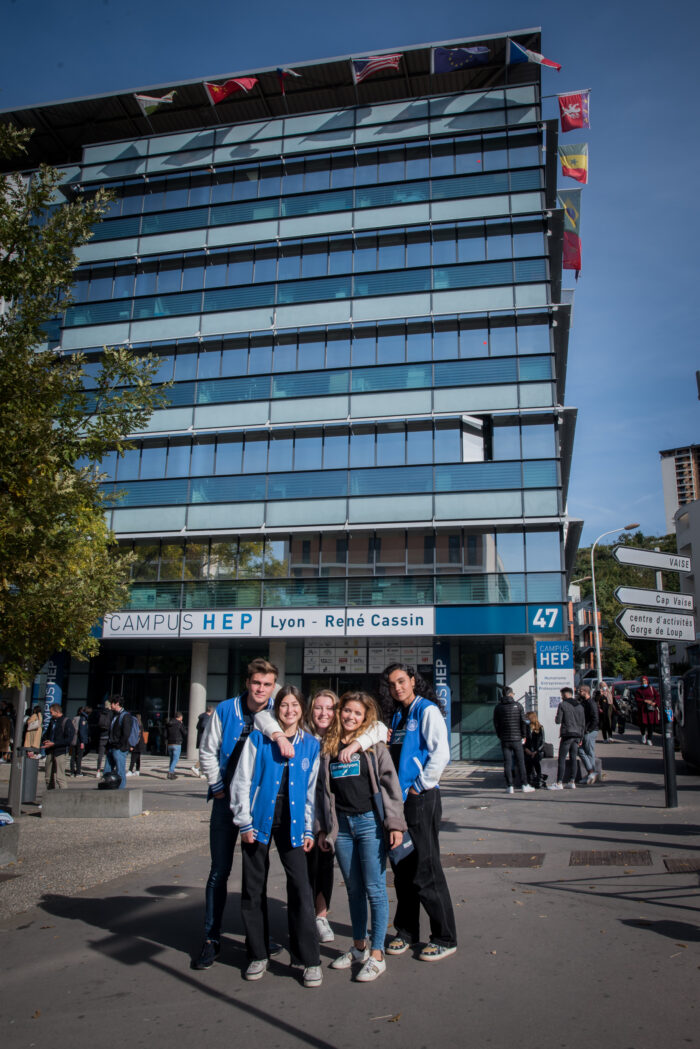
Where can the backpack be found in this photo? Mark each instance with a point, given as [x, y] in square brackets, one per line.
[134, 731]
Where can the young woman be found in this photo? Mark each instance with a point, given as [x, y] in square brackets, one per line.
[534, 749]
[420, 750]
[137, 751]
[350, 824]
[272, 798]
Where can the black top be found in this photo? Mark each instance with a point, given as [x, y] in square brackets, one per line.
[351, 785]
[509, 720]
[398, 735]
[246, 730]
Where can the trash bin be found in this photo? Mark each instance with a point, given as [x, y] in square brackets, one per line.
[30, 775]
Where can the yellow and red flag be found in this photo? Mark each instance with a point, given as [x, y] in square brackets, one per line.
[218, 92]
[574, 161]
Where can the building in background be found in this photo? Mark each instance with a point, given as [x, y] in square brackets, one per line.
[680, 476]
[356, 288]
[687, 528]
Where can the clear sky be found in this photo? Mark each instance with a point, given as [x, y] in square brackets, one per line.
[632, 353]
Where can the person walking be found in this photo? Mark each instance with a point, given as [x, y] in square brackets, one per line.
[648, 703]
[571, 717]
[606, 710]
[80, 742]
[177, 734]
[137, 750]
[587, 752]
[511, 729]
[104, 720]
[56, 741]
[420, 750]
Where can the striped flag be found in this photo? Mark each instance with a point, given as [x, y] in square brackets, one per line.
[218, 92]
[149, 103]
[364, 67]
[516, 54]
[574, 161]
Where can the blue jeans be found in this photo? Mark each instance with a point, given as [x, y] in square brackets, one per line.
[174, 750]
[223, 833]
[115, 761]
[361, 856]
[587, 751]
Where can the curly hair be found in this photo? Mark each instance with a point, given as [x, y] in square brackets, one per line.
[422, 688]
[331, 740]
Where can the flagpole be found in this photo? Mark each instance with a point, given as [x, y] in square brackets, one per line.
[561, 94]
[354, 82]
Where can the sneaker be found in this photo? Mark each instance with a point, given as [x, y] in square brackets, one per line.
[509, 790]
[325, 933]
[372, 968]
[555, 786]
[435, 952]
[136, 773]
[129, 773]
[208, 955]
[398, 946]
[273, 948]
[344, 961]
[591, 777]
[196, 771]
[313, 976]
[527, 789]
[256, 969]
[570, 786]
[650, 743]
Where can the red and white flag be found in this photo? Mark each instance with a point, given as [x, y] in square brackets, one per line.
[574, 110]
[364, 67]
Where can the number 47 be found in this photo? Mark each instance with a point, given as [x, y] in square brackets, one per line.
[545, 618]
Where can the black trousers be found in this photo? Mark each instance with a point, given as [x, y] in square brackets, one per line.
[568, 748]
[513, 753]
[301, 917]
[76, 760]
[420, 879]
[533, 767]
[321, 870]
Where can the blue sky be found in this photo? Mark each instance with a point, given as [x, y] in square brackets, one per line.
[631, 358]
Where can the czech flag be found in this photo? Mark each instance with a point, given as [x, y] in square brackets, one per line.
[516, 54]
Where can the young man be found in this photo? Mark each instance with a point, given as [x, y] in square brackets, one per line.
[511, 728]
[56, 742]
[572, 719]
[222, 744]
[177, 734]
[419, 747]
[118, 740]
[592, 719]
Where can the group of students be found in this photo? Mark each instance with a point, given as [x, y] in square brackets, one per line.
[328, 782]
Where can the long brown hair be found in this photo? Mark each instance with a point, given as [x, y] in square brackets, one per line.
[534, 721]
[290, 690]
[331, 740]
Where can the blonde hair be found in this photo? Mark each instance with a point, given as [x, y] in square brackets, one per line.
[317, 695]
[534, 721]
[332, 738]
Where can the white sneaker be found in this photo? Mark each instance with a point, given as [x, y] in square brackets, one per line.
[555, 786]
[325, 933]
[130, 773]
[313, 976]
[527, 789]
[256, 969]
[591, 777]
[372, 968]
[196, 771]
[509, 790]
[570, 786]
[344, 961]
[650, 743]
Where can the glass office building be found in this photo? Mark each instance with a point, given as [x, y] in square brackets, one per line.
[356, 291]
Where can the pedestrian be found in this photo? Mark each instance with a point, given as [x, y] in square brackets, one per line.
[648, 709]
[33, 732]
[177, 734]
[56, 742]
[572, 719]
[534, 751]
[137, 750]
[118, 739]
[511, 728]
[5, 732]
[587, 752]
[420, 750]
[201, 725]
[273, 799]
[104, 720]
[80, 741]
[606, 710]
[356, 827]
[222, 744]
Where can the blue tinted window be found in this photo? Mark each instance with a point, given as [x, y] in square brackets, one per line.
[391, 448]
[362, 449]
[255, 455]
[178, 464]
[228, 457]
[419, 445]
[234, 362]
[153, 462]
[335, 451]
[307, 453]
[202, 462]
[281, 453]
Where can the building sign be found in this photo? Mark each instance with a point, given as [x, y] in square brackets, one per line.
[441, 679]
[555, 670]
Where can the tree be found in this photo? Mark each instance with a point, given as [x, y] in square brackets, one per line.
[60, 567]
[620, 656]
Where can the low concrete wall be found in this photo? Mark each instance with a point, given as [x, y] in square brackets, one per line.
[93, 804]
[9, 843]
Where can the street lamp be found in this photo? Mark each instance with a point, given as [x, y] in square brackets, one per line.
[626, 528]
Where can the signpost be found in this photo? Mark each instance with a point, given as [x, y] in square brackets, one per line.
[663, 626]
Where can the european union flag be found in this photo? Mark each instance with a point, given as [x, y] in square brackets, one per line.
[450, 59]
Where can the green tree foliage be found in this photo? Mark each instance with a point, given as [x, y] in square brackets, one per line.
[621, 657]
[60, 568]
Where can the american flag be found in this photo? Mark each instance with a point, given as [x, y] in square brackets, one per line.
[364, 67]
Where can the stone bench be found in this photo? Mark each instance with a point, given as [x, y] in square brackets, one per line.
[92, 804]
[9, 843]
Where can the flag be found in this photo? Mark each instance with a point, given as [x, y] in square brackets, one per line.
[149, 103]
[364, 67]
[282, 75]
[218, 92]
[574, 161]
[449, 59]
[574, 110]
[516, 54]
[570, 200]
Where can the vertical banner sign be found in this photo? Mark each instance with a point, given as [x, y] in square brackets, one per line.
[55, 672]
[555, 670]
[441, 681]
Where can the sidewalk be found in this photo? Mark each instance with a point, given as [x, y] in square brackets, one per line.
[551, 954]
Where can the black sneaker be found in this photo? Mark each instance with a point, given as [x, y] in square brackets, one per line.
[208, 955]
[274, 948]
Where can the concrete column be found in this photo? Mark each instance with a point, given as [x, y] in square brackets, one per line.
[198, 693]
[278, 651]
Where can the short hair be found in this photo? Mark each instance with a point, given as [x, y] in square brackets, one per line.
[262, 666]
[116, 699]
[566, 691]
[290, 690]
[56, 706]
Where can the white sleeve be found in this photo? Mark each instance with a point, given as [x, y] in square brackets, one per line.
[266, 722]
[310, 806]
[209, 750]
[240, 787]
[376, 734]
[434, 729]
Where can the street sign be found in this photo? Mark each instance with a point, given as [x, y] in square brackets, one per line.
[632, 555]
[656, 626]
[632, 595]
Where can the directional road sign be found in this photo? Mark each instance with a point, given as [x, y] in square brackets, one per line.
[632, 555]
[658, 626]
[632, 595]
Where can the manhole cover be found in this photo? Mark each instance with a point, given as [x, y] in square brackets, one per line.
[679, 865]
[612, 858]
[493, 859]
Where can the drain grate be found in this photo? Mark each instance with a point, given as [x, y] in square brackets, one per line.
[492, 859]
[682, 864]
[611, 858]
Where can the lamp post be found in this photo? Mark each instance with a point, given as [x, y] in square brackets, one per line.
[625, 528]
